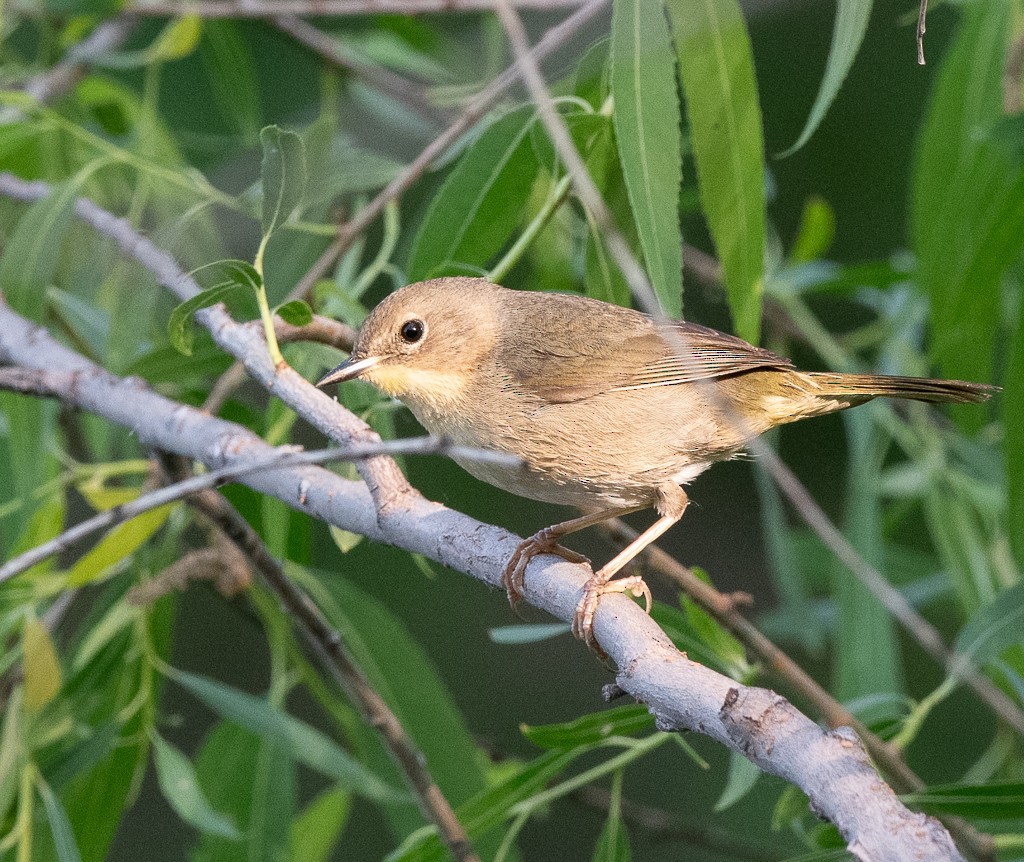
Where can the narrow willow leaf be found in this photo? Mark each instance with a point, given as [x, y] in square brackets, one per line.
[816, 232]
[60, 826]
[646, 121]
[743, 776]
[613, 843]
[527, 633]
[588, 729]
[867, 657]
[478, 206]
[717, 70]
[403, 674]
[305, 743]
[488, 808]
[121, 542]
[847, 34]
[181, 789]
[968, 199]
[31, 253]
[997, 801]
[996, 627]
[178, 39]
[179, 328]
[316, 830]
[42, 668]
[283, 174]
[296, 312]
[10, 747]
[1013, 423]
[231, 73]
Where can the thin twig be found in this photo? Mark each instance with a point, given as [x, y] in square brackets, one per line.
[922, 14]
[327, 643]
[323, 330]
[325, 8]
[798, 495]
[382, 79]
[172, 493]
[106, 37]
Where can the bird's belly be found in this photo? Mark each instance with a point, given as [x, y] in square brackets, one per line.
[573, 454]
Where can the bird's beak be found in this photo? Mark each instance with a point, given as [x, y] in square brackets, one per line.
[349, 369]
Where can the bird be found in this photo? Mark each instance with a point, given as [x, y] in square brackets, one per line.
[606, 409]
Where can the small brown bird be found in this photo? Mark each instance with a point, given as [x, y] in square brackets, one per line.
[608, 409]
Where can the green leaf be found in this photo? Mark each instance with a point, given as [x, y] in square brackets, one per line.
[968, 200]
[866, 651]
[478, 206]
[31, 253]
[527, 633]
[60, 826]
[305, 743]
[42, 667]
[1013, 425]
[816, 232]
[231, 72]
[283, 174]
[646, 121]
[996, 627]
[717, 70]
[181, 789]
[847, 34]
[490, 807]
[121, 542]
[403, 674]
[316, 830]
[588, 729]
[178, 39]
[10, 748]
[743, 776]
[296, 312]
[179, 328]
[613, 843]
[996, 801]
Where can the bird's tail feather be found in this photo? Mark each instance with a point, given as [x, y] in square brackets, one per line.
[857, 388]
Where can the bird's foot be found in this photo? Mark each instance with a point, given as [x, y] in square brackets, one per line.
[583, 618]
[543, 542]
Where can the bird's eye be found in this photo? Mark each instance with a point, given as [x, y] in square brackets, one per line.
[412, 331]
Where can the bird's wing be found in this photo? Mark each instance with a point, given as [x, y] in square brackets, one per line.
[575, 368]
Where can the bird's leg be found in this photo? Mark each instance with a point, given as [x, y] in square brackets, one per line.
[672, 502]
[546, 542]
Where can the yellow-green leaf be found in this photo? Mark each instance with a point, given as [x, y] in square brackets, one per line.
[42, 669]
[178, 39]
[121, 542]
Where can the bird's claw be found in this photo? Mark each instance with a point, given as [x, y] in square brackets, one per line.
[514, 576]
[595, 588]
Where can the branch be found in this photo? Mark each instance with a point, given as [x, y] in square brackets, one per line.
[813, 515]
[326, 642]
[273, 8]
[180, 490]
[56, 81]
[723, 609]
[335, 53]
[831, 768]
